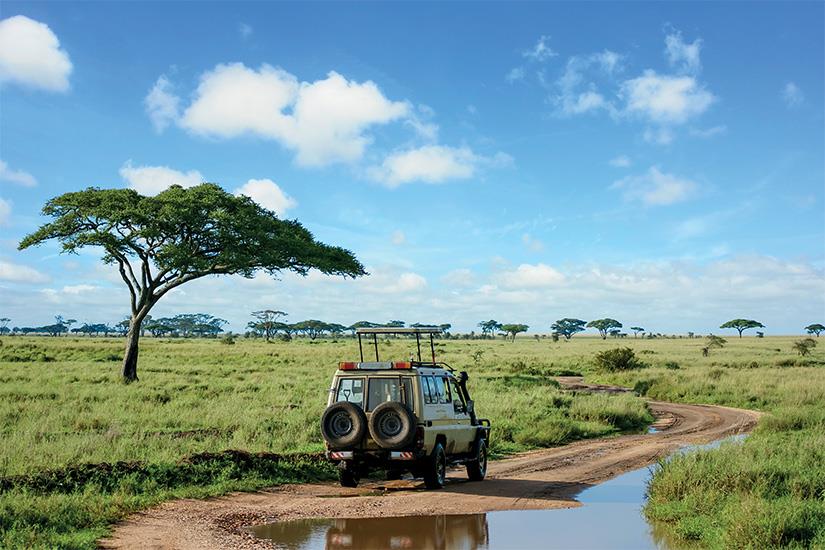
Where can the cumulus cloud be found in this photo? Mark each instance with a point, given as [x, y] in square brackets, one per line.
[16, 176]
[432, 164]
[161, 104]
[20, 273]
[792, 95]
[268, 194]
[324, 121]
[682, 56]
[151, 180]
[665, 98]
[656, 188]
[540, 51]
[5, 212]
[527, 276]
[30, 55]
[577, 88]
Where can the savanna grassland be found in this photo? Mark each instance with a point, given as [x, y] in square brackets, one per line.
[79, 450]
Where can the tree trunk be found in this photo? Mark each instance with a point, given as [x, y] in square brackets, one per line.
[130, 357]
[740, 332]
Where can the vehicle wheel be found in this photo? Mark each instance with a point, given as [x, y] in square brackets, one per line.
[392, 425]
[477, 468]
[348, 478]
[343, 425]
[435, 472]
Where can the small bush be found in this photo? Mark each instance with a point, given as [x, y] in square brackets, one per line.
[618, 359]
[228, 339]
[672, 365]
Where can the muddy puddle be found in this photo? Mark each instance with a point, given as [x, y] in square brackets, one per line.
[610, 517]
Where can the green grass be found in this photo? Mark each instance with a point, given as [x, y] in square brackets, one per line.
[79, 450]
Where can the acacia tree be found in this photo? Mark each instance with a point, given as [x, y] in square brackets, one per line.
[816, 328]
[604, 326]
[636, 331]
[567, 327]
[162, 242]
[490, 327]
[512, 330]
[742, 324]
[266, 321]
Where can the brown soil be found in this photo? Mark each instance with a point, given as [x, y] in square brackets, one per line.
[548, 478]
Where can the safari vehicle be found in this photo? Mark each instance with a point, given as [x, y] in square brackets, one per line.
[402, 416]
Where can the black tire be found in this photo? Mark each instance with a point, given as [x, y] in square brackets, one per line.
[343, 425]
[392, 425]
[477, 468]
[348, 478]
[435, 471]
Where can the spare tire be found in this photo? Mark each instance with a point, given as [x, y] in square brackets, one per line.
[392, 425]
[343, 425]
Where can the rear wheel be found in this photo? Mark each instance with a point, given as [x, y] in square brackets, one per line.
[435, 471]
[477, 468]
[348, 478]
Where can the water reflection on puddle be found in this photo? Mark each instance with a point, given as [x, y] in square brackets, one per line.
[609, 518]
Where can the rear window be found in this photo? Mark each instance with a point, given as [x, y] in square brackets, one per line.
[382, 390]
[352, 390]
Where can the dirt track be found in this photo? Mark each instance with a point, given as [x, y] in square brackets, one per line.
[549, 478]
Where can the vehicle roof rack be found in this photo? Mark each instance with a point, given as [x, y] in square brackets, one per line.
[417, 331]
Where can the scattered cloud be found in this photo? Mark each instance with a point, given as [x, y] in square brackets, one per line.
[655, 188]
[323, 122]
[664, 98]
[462, 277]
[16, 176]
[540, 51]
[662, 135]
[432, 164]
[20, 273]
[620, 161]
[682, 56]
[577, 88]
[532, 243]
[527, 276]
[161, 104]
[398, 237]
[245, 30]
[151, 180]
[5, 212]
[792, 95]
[515, 74]
[713, 131]
[30, 55]
[268, 194]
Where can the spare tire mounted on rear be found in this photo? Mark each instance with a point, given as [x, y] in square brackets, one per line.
[343, 425]
[392, 425]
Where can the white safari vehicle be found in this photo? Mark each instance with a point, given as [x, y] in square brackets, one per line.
[402, 416]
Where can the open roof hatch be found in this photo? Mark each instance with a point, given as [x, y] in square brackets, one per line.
[417, 331]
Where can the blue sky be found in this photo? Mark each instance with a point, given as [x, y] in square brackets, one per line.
[661, 164]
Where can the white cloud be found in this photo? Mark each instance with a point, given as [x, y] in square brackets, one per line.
[324, 121]
[577, 89]
[151, 180]
[655, 188]
[514, 75]
[462, 277]
[245, 30]
[682, 56]
[432, 164]
[665, 99]
[79, 289]
[20, 273]
[162, 105]
[662, 135]
[541, 51]
[267, 193]
[30, 55]
[398, 237]
[713, 131]
[532, 243]
[16, 176]
[792, 95]
[527, 276]
[621, 161]
[5, 212]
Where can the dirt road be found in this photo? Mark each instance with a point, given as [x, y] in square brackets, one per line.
[549, 478]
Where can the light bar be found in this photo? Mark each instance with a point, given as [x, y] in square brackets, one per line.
[347, 365]
[402, 365]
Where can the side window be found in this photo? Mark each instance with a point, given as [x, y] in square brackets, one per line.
[352, 390]
[407, 383]
[440, 390]
[427, 387]
[447, 393]
[457, 393]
